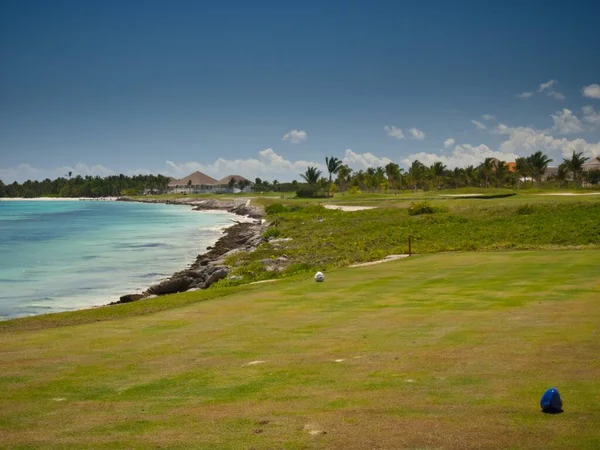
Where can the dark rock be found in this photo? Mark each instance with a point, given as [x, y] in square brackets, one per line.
[172, 285]
[216, 276]
[130, 298]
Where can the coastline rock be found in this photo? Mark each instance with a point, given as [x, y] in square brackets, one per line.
[171, 286]
[216, 276]
[209, 267]
[130, 298]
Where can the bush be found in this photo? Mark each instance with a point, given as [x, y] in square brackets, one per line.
[525, 210]
[305, 192]
[309, 192]
[354, 190]
[418, 208]
[272, 232]
[276, 208]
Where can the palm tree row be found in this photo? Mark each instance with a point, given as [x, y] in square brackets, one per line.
[491, 172]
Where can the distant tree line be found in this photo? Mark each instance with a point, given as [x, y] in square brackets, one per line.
[526, 172]
[78, 186]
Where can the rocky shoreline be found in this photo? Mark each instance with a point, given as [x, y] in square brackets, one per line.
[209, 267]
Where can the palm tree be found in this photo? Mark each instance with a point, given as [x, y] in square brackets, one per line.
[501, 173]
[437, 170]
[487, 168]
[471, 175]
[562, 174]
[416, 171]
[311, 176]
[343, 176]
[333, 166]
[538, 163]
[392, 173]
[574, 165]
[523, 168]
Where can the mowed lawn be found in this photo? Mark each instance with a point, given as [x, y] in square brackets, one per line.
[436, 351]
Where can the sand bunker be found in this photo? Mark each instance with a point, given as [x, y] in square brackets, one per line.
[386, 259]
[571, 193]
[348, 208]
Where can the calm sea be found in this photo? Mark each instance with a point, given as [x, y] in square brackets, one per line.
[63, 255]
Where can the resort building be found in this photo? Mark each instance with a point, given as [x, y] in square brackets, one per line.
[200, 183]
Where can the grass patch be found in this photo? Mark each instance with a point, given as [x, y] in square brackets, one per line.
[323, 239]
[449, 350]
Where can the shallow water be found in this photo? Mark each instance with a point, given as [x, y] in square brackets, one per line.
[63, 255]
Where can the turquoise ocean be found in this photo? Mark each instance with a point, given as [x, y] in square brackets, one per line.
[64, 255]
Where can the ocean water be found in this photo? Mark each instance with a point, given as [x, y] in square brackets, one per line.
[64, 255]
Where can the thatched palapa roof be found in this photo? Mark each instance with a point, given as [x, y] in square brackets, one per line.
[236, 178]
[197, 178]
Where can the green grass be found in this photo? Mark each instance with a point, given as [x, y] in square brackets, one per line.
[447, 350]
[325, 239]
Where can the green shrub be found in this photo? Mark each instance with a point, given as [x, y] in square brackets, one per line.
[272, 232]
[525, 210]
[306, 192]
[311, 192]
[418, 208]
[275, 208]
[354, 190]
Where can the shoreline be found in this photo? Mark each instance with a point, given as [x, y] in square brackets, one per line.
[208, 267]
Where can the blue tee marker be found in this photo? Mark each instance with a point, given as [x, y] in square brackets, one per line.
[551, 402]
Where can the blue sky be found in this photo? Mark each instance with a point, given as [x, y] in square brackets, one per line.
[172, 87]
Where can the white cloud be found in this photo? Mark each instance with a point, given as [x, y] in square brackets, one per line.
[547, 88]
[417, 134]
[556, 95]
[478, 125]
[397, 133]
[24, 172]
[449, 142]
[526, 140]
[591, 91]
[394, 132]
[565, 122]
[295, 136]
[364, 160]
[591, 116]
[268, 164]
[463, 155]
[547, 85]
[488, 117]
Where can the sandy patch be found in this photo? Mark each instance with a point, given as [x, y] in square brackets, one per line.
[254, 363]
[59, 399]
[348, 208]
[461, 195]
[339, 360]
[571, 193]
[314, 430]
[263, 281]
[386, 259]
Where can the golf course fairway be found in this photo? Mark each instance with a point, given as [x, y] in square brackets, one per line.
[448, 350]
